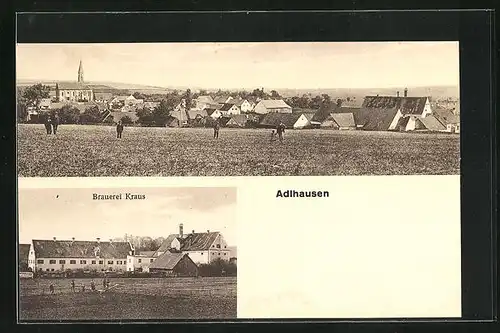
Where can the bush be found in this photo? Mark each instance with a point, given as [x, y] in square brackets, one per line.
[218, 267]
[126, 120]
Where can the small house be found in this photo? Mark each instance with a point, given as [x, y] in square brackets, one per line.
[229, 109]
[290, 120]
[272, 106]
[243, 104]
[45, 104]
[339, 121]
[237, 121]
[203, 102]
[103, 97]
[213, 113]
[222, 99]
[449, 119]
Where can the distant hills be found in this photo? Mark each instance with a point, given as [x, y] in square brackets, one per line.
[356, 93]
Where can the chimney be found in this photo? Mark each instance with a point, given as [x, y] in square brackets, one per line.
[98, 240]
[406, 92]
[208, 231]
[193, 231]
[72, 240]
[54, 239]
[181, 230]
[397, 93]
[110, 241]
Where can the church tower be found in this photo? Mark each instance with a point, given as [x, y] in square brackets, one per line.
[80, 73]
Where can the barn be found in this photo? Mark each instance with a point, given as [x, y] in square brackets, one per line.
[291, 120]
[272, 105]
[174, 264]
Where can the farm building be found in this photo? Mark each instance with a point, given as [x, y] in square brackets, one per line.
[197, 117]
[237, 121]
[272, 106]
[327, 109]
[222, 99]
[430, 123]
[178, 118]
[24, 260]
[450, 120]
[74, 92]
[291, 120]
[243, 104]
[339, 121]
[174, 264]
[140, 262]
[60, 255]
[229, 109]
[45, 104]
[202, 247]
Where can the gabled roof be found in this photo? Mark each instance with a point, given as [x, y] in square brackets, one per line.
[407, 105]
[431, 123]
[222, 98]
[167, 260]
[238, 101]
[80, 249]
[226, 106]
[210, 111]
[72, 86]
[190, 242]
[273, 119]
[147, 253]
[446, 116]
[194, 113]
[24, 251]
[375, 119]
[121, 97]
[238, 119]
[274, 104]
[343, 119]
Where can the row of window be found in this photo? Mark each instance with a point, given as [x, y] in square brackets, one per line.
[52, 270]
[218, 246]
[140, 260]
[82, 262]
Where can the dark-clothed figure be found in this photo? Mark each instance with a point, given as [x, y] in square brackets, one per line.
[280, 129]
[104, 284]
[216, 129]
[55, 123]
[119, 129]
[48, 124]
[73, 285]
[92, 285]
[51, 288]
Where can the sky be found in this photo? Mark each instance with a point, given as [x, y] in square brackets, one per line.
[66, 213]
[293, 65]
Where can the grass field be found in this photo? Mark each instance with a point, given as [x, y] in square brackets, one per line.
[132, 298]
[94, 151]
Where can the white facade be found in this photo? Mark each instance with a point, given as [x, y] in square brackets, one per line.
[427, 108]
[90, 263]
[246, 106]
[301, 122]
[32, 258]
[232, 111]
[216, 114]
[395, 121]
[139, 263]
[75, 95]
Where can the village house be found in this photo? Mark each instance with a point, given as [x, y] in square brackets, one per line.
[213, 113]
[103, 97]
[119, 101]
[61, 255]
[229, 109]
[139, 262]
[237, 121]
[45, 104]
[174, 264]
[203, 102]
[197, 117]
[243, 104]
[449, 119]
[339, 121]
[290, 120]
[272, 106]
[202, 247]
[223, 99]
[150, 105]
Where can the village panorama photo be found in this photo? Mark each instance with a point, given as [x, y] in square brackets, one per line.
[133, 254]
[238, 109]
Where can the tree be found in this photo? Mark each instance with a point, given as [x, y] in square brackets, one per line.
[126, 120]
[91, 115]
[316, 102]
[339, 102]
[188, 98]
[326, 98]
[33, 94]
[22, 108]
[161, 113]
[68, 114]
[139, 95]
[145, 117]
[275, 94]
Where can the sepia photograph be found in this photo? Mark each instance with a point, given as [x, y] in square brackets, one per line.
[238, 109]
[127, 254]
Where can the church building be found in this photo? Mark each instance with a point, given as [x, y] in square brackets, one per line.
[74, 91]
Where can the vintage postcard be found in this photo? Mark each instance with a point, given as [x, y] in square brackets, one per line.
[332, 167]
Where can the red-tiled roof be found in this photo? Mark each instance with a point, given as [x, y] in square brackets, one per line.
[167, 260]
[72, 86]
[80, 249]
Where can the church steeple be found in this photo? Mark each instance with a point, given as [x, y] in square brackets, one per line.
[80, 73]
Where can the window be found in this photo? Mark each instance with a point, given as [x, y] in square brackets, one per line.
[218, 246]
[101, 262]
[52, 262]
[47, 269]
[202, 253]
[51, 269]
[150, 260]
[139, 261]
[83, 262]
[62, 262]
[224, 246]
[72, 262]
[93, 262]
[129, 261]
[213, 245]
[110, 262]
[225, 253]
[218, 254]
[39, 261]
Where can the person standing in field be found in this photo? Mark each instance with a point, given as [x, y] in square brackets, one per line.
[119, 129]
[48, 124]
[92, 285]
[55, 122]
[280, 129]
[216, 129]
[73, 285]
[104, 283]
